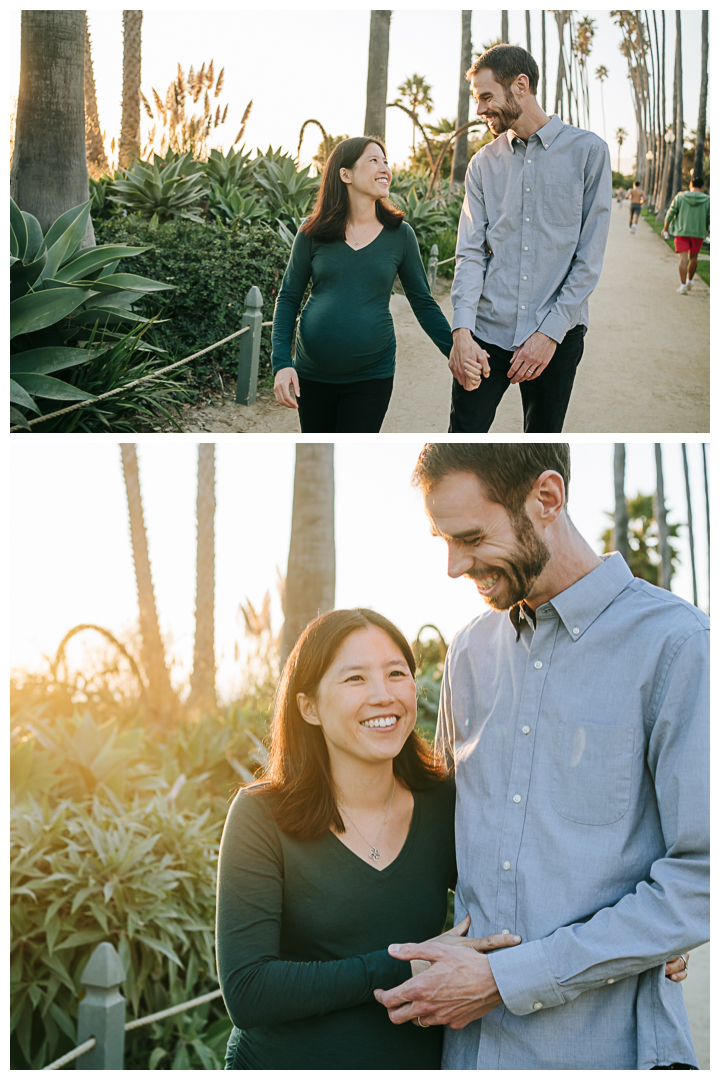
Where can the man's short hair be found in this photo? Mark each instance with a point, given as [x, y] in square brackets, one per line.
[697, 181]
[637, 183]
[506, 471]
[507, 62]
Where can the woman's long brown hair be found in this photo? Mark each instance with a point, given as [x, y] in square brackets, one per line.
[299, 767]
[329, 217]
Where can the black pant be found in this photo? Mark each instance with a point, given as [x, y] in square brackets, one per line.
[355, 406]
[545, 399]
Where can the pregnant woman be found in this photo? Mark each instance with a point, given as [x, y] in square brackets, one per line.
[346, 847]
[352, 248]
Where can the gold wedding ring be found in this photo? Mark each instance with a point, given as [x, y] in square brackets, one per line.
[419, 1020]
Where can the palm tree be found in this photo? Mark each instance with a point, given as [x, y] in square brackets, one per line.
[691, 535]
[702, 111]
[504, 34]
[582, 48]
[152, 652]
[621, 511]
[49, 168]
[620, 137]
[376, 95]
[665, 575]
[416, 91]
[601, 73]
[97, 162]
[310, 583]
[129, 149]
[679, 126]
[527, 31]
[460, 151]
[561, 17]
[202, 681]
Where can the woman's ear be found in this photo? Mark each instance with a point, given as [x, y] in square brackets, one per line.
[345, 176]
[307, 708]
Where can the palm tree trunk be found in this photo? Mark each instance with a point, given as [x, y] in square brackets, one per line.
[202, 681]
[376, 97]
[527, 31]
[152, 654]
[691, 535]
[129, 149]
[669, 177]
[310, 584]
[707, 515]
[677, 184]
[460, 150]
[698, 166]
[665, 568]
[560, 20]
[504, 36]
[49, 169]
[97, 162]
[621, 511]
[544, 64]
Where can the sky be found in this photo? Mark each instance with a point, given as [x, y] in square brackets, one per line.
[297, 64]
[72, 562]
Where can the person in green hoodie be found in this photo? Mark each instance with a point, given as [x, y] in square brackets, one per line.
[688, 219]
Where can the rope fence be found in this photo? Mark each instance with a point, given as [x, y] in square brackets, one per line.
[76, 1053]
[249, 362]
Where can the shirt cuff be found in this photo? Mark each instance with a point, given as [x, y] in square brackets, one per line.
[554, 326]
[464, 317]
[524, 979]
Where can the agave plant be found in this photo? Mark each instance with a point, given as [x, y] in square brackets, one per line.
[161, 191]
[67, 306]
[234, 170]
[422, 215]
[232, 205]
[289, 192]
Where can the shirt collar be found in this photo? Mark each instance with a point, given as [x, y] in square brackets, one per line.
[546, 134]
[580, 605]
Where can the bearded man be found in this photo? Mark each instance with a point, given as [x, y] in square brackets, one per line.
[575, 714]
[531, 241]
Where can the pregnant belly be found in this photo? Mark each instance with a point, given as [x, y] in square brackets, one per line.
[345, 342]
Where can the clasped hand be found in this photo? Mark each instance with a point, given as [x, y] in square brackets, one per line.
[468, 362]
[450, 985]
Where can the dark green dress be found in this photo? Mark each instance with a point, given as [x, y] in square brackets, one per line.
[303, 928]
[346, 331]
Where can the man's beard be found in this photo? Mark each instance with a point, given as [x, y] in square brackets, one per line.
[503, 119]
[523, 567]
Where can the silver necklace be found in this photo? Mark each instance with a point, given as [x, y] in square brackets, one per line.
[374, 853]
[352, 232]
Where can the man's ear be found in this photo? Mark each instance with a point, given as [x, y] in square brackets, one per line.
[548, 496]
[523, 84]
[307, 708]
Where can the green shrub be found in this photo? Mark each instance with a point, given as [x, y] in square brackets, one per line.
[212, 268]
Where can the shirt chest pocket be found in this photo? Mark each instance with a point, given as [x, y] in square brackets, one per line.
[592, 771]
[562, 204]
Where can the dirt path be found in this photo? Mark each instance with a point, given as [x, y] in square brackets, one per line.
[645, 367]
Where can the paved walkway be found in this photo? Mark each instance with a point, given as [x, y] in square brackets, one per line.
[645, 368]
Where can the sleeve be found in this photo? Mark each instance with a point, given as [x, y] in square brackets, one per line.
[471, 252]
[414, 281]
[587, 261]
[294, 283]
[673, 211]
[259, 988]
[445, 728]
[668, 913]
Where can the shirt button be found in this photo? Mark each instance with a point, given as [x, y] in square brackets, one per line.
[527, 188]
[526, 729]
[609, 980]
[537, 1004]
[522, 307]
[527, 218]
[576, 629]
[517, 798]
[538, 664]
[524, 277]
[526, 249]
[529, 161]
[505, 930]
[506, 865]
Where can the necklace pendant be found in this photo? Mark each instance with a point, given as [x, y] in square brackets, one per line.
[374, 854]
[357, 243]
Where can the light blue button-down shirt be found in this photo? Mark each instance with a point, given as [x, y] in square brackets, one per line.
[582, 821]
[532, 234]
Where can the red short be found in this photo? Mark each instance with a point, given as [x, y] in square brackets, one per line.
[688, 243]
